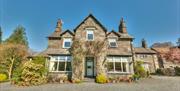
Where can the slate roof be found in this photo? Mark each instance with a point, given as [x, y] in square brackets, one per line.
[66, 32]
[55, 51]
[57, 34]
[125, 35]
[161, 50]
[121, 35]
[113, 32]
[90, 15]
[122, 52]
[144, 50]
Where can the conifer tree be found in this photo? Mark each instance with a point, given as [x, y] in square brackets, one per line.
[18, 37]
[0, 35]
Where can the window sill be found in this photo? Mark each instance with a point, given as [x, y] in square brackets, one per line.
[66, 47]
[113, 47]
[60, 71]
[118, 72]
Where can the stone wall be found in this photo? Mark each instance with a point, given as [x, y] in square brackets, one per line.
[150, 59]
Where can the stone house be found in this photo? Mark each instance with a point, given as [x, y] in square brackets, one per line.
[117, 60]
[147, 56]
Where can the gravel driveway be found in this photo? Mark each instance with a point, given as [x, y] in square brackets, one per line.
[156, 83]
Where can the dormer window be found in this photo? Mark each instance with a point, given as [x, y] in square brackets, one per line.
[112, 42]
[67, 43]
[90, 35]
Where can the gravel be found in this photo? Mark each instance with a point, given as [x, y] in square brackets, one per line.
[156, 83]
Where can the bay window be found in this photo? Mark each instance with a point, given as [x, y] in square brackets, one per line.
[118, 64]
[60, 64]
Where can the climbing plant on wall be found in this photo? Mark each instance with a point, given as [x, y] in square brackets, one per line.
[78, 54]
[80, 49]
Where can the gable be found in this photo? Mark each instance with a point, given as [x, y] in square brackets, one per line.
[67, 33]
[90, 21]
[113, 34]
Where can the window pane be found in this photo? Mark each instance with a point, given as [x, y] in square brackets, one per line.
[113, 44]
[67, 44]
[118, 66]
[124, 59]
[124, 67]
[61, 66]
[56, 58]
[62, 58]
[68, 68]
[110, 66]
[69, 58]
[54, 66]
[90, 36]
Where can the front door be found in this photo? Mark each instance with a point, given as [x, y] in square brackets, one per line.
[89, 67]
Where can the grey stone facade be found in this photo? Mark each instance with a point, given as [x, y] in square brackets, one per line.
[117, 61]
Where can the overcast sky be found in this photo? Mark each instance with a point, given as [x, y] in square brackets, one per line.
[154, 20]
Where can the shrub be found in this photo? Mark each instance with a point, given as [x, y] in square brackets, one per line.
[32, 74]
[166, 71]
[177, 71]
[101, 79]
[159, 72]
[169, 71]
[76, 81]
[139, 69]
[3, 77]
[147, 73]
[16, 76]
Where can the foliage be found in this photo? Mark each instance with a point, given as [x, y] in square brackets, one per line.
[139, 69]
[32, 73]
[101, 78]
[39, 60]
[163, 44]
[76, 81]
[98, 49]
[80, 49]
[78, 54]
[136, 76]
[173, 55]
[178, 42]
[95, 48]
[3, 77]
[17, 75]
[57, 78]
[118, 79]
[11, 56]
[0, 35]
[18, 37]
[166, 71]
[177, 71]
[159, 72]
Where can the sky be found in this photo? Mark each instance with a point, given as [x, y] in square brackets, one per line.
[154, 20]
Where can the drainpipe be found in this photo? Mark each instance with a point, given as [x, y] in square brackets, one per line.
[133, 56]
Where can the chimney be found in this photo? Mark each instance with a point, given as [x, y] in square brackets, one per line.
[59, 26]
[144, 44]
[122, 26]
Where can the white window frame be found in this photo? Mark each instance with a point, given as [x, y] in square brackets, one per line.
[58, 59]
[112, 40]
[121, 60]
[89, 31]
[67, 40]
